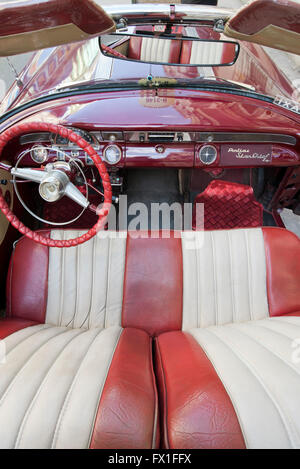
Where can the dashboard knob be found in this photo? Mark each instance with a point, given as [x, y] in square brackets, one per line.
[160, 148]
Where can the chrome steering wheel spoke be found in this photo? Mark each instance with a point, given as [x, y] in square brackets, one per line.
[54, 183]
[34, 175]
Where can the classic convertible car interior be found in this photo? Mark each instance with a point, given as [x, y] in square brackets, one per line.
[149, 288]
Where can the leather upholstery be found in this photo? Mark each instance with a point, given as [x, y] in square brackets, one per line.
[283, 270]
[154, 50]
[128, 411]
[196, 409]
[205, 53]
[85, 285]
[153, 284]
[194, 52]
[236, 275]
[255, 362]
[224, 277]
[9, 326]
[27, 281]
[230, 379]
[52, 382]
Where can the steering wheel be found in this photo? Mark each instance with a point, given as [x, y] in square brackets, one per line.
[56, 180]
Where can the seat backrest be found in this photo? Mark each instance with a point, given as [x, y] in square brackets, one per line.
[154, 50]
[191, 279]
[206, 53]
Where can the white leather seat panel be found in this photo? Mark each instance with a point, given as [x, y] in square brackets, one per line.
[153, 50]
[255, 363]
[224, 277]
[206, 53]
[85, 287]
[51, 384]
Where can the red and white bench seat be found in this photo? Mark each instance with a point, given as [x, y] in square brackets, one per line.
[223, 310]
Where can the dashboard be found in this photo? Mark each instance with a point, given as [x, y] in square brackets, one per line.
[134, 148]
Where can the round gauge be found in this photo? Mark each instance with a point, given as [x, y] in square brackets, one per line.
[88, 137]
[112, 154]
[208, 154]
[39, 154]
[59, 140]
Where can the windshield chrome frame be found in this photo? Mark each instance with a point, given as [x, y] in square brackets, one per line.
[139, 13]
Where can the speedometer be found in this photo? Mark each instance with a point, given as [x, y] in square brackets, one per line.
[59, 140]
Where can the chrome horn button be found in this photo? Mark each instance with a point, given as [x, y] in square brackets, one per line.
[53, 186]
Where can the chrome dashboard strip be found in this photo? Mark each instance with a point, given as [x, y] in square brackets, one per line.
[222, 137]
[197, 137]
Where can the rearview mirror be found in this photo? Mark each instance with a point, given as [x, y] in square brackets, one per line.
[170, 51]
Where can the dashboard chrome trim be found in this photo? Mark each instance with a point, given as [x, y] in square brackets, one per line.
[197, 137]
[230, 137]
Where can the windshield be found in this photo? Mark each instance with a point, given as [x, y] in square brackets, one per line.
[81, 64]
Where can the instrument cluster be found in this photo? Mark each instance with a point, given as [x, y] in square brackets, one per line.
[48, 146]
[162, 148]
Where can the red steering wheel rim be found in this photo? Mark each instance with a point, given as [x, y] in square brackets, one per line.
[20, 129]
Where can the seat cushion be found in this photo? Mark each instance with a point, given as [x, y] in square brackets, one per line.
[77, 388]
[231, 386]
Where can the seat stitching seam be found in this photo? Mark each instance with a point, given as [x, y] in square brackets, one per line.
[89, 313]
[20, 434]
[254, 372]
[10, 282]
[273, 330]
[263, 345]
[47, 326]
[154, 430]
[215, 279]
[61, 290]
[77, 284]
[165, 403]
[106, 312]
[198, 289]
[248, 275]
[67, 398]
[224, 384]
[26, 364]
[231, 279]
[103, 385]
[72, 320]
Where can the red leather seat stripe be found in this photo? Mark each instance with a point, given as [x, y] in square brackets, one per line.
[9, 326]
[186, 50]
[134, 48]
[283, 271]
[197, 411]
[127, 414]
[153, 286]
[27, 281]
